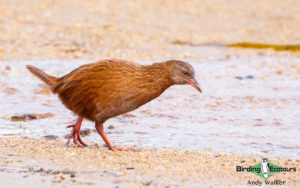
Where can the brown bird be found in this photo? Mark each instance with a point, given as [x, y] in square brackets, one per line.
[108, 88]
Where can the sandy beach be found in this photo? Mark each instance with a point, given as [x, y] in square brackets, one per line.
[249, 109]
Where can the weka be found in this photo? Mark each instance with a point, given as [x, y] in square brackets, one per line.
[108, 88]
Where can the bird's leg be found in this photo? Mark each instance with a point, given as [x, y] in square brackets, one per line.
[99, 128]
[75, 133]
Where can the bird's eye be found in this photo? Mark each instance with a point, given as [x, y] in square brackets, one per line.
[186, 73]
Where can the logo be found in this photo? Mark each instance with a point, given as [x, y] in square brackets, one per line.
[265, 170]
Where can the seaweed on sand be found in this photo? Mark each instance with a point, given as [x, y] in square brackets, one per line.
[266, 46]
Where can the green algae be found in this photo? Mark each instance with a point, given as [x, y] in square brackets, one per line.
[292, 48]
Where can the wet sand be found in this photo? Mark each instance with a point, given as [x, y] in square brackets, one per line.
[52, 163]
[248, 106]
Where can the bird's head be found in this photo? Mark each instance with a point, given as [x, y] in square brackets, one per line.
[183, 73]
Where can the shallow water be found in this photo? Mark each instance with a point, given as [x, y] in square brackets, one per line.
[243, 116]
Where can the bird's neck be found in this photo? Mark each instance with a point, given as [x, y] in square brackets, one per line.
[160, 73]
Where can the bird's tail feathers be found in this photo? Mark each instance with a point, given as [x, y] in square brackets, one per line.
[49, 80]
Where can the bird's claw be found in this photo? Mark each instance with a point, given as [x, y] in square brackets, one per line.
[76, 137]
[121, 149]
[69, 126]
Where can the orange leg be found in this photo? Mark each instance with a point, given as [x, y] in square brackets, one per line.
[75, 133]
[99, 128]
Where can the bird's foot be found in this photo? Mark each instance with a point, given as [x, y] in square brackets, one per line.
[76, 137]
[69, 126]
[121, 149]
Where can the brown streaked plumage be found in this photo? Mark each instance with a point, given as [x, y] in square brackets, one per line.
[108, 88]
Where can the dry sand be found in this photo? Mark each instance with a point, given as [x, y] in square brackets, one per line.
[94, 166]
[141, 29]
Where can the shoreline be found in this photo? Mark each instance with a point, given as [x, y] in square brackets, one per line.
[50, 162]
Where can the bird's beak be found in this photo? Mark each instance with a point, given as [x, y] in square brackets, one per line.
[193, 82]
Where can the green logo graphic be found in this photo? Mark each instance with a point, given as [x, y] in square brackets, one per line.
[265, 169]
